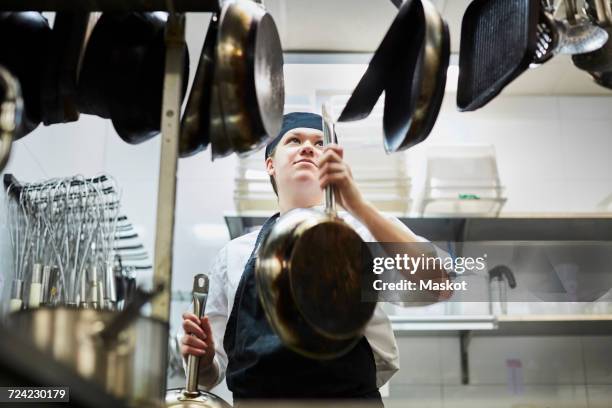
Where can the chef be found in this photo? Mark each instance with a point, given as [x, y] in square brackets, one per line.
[234, 339]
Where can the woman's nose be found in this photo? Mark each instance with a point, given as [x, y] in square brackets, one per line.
[307, 148]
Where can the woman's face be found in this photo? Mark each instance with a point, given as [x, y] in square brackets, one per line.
[295, 160]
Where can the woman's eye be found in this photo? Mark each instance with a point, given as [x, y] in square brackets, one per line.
[294, 140]
[320, 144]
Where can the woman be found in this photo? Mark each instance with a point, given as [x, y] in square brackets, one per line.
[235, 340]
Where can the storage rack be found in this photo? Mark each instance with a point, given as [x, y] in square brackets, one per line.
[170, 122]
[178, 6]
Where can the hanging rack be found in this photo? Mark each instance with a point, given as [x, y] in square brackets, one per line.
[179, 6]
[171, 103]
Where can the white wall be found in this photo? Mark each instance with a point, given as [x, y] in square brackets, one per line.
[556, 371]
[553, 153]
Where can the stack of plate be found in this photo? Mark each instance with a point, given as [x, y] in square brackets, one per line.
[462, 181]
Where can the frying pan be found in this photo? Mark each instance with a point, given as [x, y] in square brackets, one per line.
[498, 42]
[248, 93]
[603, 78]
[64, 54]
[122, 73]
[195, 124]
[11, 106]
[599, 60]
[404, 28]
[406, 125]
[314, 306]
[24, 57]
[413, 80]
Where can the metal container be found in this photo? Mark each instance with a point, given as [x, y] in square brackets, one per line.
[131, 367]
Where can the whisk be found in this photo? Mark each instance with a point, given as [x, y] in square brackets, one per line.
[62, 233]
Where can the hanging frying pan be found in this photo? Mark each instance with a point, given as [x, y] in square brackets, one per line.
[498, 42]
[413, 79]
[599, 60]
[195, 125]
[248, 94]
[603, 79]
[122, 74]
[64, 55]
[11, 106]
[22, 52]
[400, 44]
[407, 124]
[309, 274]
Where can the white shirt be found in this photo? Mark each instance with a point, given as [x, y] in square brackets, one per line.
[225, 276]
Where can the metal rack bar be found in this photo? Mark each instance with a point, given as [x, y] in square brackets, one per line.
[110, 5]
[166, 196]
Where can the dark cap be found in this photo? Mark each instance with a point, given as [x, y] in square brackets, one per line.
[295, 120]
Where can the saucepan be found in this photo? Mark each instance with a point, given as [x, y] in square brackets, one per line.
[309, 274]
[113, 349]
[11, 107]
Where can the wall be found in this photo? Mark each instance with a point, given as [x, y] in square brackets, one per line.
[553, 155]
[557, 371]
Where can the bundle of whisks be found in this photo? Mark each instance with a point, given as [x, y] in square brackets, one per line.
[62, 233]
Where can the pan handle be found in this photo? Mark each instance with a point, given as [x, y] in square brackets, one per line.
[570, 10]
[200, 295]
[604, 12]
[11, 107]
[329, 136]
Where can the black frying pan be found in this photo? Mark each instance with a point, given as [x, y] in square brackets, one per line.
[603, 79]
[498, 42]
[599, 60]
[59, 88]
[407, 124]
[410, 65]
[195, 125]
[400, 45]
[122, 73]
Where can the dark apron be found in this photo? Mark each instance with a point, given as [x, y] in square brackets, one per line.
[260, 366]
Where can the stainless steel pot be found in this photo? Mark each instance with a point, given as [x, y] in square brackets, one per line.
[125, 367]
[309, 275]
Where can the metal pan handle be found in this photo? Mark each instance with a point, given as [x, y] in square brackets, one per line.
[329, 136]
[604, 12]
[571, 10]
[11, 107]
[200, 295]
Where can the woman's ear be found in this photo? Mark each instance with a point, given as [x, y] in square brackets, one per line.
[270, 166]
